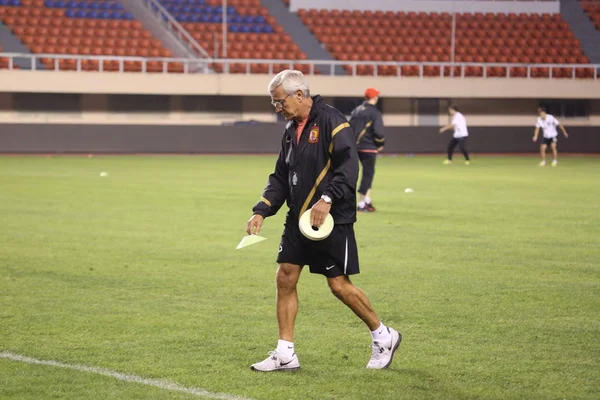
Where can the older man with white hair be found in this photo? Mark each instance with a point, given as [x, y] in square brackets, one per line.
[317, 170]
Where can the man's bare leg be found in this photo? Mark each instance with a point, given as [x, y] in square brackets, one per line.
[543, 148]
[287, 299]
[354, 298]
[385, 339]
[284, 357]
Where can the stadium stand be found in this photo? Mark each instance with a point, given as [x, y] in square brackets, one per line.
[250, 33]
[426, 37]
[105, 28]
[83, 27]
[592, 9]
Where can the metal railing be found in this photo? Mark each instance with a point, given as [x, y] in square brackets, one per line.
[271, 66]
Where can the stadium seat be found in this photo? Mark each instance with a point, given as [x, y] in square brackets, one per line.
[88, 27]
[592, 9]
[249, 24]
[480, 37]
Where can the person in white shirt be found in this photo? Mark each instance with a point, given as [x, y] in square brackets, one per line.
[548, 124]
[459, 125]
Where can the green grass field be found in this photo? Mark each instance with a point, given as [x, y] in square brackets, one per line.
[491, 272]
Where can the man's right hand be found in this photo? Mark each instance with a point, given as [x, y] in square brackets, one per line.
[254, 224]
[534, 139]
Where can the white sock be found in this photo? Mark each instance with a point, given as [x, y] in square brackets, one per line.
[381, 334]
[367, 200]
[361, 204]
[285, 348]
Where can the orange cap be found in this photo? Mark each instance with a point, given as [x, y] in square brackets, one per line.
[371, 93]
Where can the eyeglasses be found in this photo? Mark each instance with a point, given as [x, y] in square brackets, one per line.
[280, 103]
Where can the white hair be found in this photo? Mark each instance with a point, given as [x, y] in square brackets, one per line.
[292, 81]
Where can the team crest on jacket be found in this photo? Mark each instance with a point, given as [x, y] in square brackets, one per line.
[313, 136]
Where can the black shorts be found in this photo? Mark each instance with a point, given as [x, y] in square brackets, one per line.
[334, 256]
[548, 141]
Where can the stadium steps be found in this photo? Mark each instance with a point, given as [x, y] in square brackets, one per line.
[12, 44]
[300, 34]
[582, 27]
[160, 32]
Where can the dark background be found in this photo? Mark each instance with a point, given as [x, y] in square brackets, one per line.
[261, 138]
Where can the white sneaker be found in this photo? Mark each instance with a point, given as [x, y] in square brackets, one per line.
[542, 163]
[383, 353]
[277, 362]
[554, 163]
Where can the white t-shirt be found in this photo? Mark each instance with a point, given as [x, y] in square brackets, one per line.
[460, 125]
[548, 126]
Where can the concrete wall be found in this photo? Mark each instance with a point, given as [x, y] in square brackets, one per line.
[256, 85]
[260, 138]
[506, 6]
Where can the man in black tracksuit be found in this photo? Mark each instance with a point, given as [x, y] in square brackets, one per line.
[367, 123]
[316, 170]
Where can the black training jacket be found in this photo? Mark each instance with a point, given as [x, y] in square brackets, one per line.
[325, 161]
[367, 124]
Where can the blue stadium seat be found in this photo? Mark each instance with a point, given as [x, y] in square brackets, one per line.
[70, 14]
[231, 10]
[172, 8]
[197, 9]
[83, 4]
[208, 9]
[185, 9]
[181, 17]
[94, 6]
[234, 28]
[248, 19]
[105, 6]
[80, 14]
[259, 19]
[216, 18]
[268, 29]
[128, 16]
[116, 15]
[72, 4]
[204, 18]
[218, 10]
[14, 3]
[194, 18]
[238, 19]
[117, 6]
[104, 15]
[93, 14]
[245, 28]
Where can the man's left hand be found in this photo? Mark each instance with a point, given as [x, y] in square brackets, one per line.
[318, 213]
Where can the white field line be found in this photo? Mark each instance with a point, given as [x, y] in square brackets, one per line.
[174, 387]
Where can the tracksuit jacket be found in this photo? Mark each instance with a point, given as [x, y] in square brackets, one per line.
[324, 161]
[367, 123]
